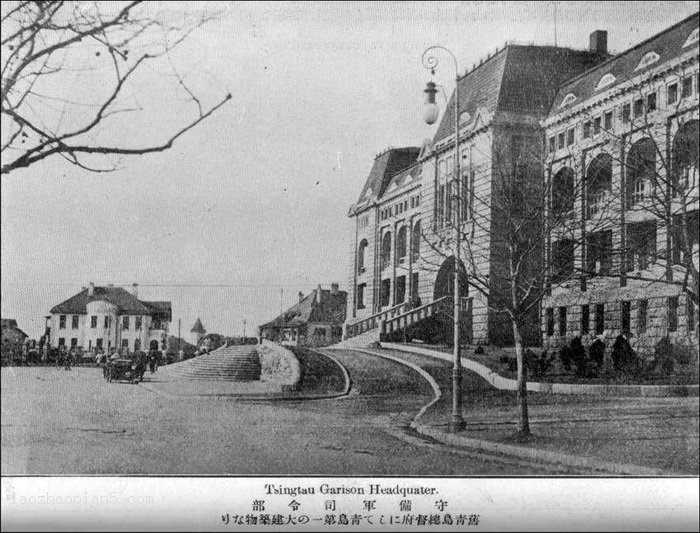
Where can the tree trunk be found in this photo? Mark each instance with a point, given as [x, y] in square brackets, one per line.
[523, 419]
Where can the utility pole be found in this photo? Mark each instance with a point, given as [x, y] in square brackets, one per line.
[179, 337]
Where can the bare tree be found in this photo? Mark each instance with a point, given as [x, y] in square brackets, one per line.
[504, 235]
[71, 76]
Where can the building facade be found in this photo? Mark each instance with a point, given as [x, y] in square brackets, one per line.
[403, 250]
[108, 319]
[315, 320]
[520, 100]
[622, 144]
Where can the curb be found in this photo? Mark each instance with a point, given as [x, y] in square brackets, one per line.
[509, 449]
[503, 383]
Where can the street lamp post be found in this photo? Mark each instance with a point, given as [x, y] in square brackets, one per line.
[431, 112]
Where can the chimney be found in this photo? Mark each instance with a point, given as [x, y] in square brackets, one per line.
[599, 42]
[301, 296]
[91, 289]
[334, 288]
[135, 290]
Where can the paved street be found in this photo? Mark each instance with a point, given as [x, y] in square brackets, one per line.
[60, 422]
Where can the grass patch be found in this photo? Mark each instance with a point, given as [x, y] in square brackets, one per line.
[319, 374]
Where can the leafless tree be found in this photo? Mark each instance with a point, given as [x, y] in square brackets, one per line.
[504, 234]
[72, 73]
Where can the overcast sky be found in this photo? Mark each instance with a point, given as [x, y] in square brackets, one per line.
[256, 198]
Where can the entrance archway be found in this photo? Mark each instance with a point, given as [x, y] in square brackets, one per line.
[444, 286]
[444, 282]
[153, 346]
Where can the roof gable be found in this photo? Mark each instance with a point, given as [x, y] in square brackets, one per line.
[386, 165]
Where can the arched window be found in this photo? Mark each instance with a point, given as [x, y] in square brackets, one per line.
[599, 182]
[415, 241]
[361, 251]
[686, 148]
[563, 192]
[641, 168]
[386, 250]
[401, 244]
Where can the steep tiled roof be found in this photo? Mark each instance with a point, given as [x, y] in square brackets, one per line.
[160, 308]
[125, 302]
[408, 176]
[625, 66]
[308, 310]
[518, 79]
[385, 166]
[11, 324]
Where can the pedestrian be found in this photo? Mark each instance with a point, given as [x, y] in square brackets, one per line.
[68, 359]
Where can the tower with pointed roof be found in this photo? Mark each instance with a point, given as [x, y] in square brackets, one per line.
[197, 332]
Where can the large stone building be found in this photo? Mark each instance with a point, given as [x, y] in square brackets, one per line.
[401, 261]
[110, 318]
[623, 160]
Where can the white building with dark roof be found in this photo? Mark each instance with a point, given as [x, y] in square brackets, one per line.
[110, 318]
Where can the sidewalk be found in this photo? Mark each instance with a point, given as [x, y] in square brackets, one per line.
[603, 434]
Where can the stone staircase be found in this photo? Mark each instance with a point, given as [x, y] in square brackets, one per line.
[232, 363]
[378, 327]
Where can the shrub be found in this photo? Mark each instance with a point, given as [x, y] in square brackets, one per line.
[625, 359]
[578, 356]
[565, 357]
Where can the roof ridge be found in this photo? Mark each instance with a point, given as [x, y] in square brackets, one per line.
[629, 50]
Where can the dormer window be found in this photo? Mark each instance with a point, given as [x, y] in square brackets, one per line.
[692, 38]
[649, 59]
[568, 99]
[605, 81]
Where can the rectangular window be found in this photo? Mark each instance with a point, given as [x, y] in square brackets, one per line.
[61, 341]
[549, 317]
[687, 87]
[586, 129]
[400, 290]
[108, 322]
[570, 137]
[98, 344]
[562, 260]
[626, 113]
[74, 342]
[673, 313]
[690, 314]
[638, 107]
[626, 317]
[386, 292]
[585, 319]
[562, 139]
[62, 322]
[125, 323]
[414, 289]
[75, 322]
[596, 126]
[562, 321]
[448, 204]
[651, 102]
[137, 323]
[608, 121]
[93, 321]
[599, 252]
[552, 144]
[642, 308]
[680, 253]
[641, 245]
[125, 344]
[672, 94]
[441, 206]
[599, 319]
